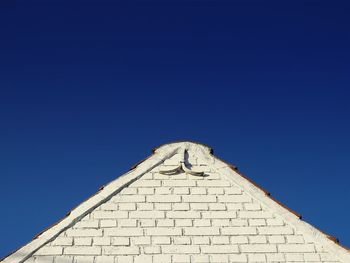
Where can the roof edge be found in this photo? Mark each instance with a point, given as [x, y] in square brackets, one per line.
[103, 195]
[287, 213]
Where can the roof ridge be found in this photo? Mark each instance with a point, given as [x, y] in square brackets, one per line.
[184, 142]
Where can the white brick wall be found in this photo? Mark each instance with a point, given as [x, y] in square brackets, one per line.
[181, 218]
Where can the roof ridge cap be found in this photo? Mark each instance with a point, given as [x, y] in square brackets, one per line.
[183, 144]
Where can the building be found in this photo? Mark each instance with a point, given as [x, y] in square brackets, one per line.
[182, 204]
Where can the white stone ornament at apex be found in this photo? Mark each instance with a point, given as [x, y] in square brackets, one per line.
[182, 204]
[182, 166]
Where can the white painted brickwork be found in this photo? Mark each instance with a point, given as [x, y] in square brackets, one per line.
[182, 218]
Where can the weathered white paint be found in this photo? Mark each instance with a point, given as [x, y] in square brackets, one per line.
[145, 216]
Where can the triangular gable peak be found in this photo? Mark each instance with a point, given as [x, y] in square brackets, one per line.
[182, 204]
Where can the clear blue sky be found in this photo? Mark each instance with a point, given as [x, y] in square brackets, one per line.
[88, 88]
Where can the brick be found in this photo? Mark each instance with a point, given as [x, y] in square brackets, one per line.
[219, 258]
[109, 206]
[143, 259]
[122, 250]
[123, 232]
[239, 240]
[62, 259]
[254, 214]
[213, 183]
[238, 258]
[124, 259]
[162, 206]
[161, 258]
[276, 239]
[89, 250]
[147, 222]
[234, 199]
[108, 223]
[164, 190]
[202, 222]
[120, 241]
[181, 207]
[219, 249]
[256, 258]
[296, 248]
[295, 257]
[220, 222]
[238, 231]
[127, 222]
[219, 214]
[215, 191]
[164, 240]
[181, 258]
[101, 241]
[146, 183]
[217, 207]
[234, 206]
[145, 206]
[145, 191]
[199, 198]
[163, 198]
[198, 191]
[200, 240]
[252, 207]
[278, 230]
[258, 248]
[83, 259]
[257, 239]
[233, 191]
[104, 259]
[200, 231]
[141, 240]
[84, 232]
[163, 231]
[127, 206]
[275, 257]
[183, 214]
[82, 241]
[295, 239]
[128, 199]
[181, 240]
[257, 222]
[179, 183]
[165, 223]
[183, 222]
[181, 190]
[152, 250]
[274, 222]
[110, 214]
[239, 222]
[147, 214]
[220, 240]
[181, 249]
[199, 206]
[200, 258]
